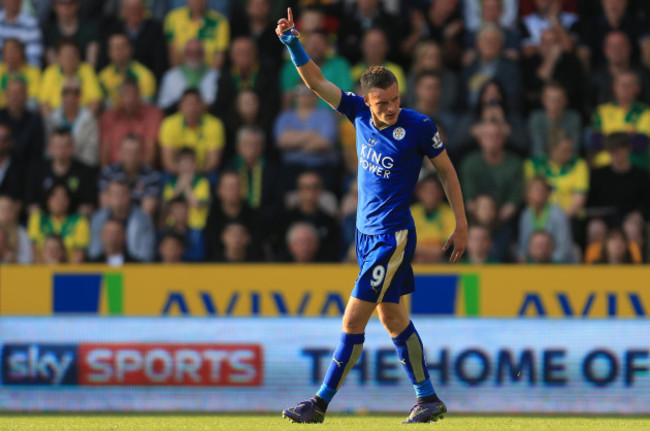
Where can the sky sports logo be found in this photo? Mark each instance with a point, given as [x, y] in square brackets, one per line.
[130, 364]
[447, 294]
[88, 293]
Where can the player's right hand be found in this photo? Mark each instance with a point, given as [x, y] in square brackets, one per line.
[285, 24]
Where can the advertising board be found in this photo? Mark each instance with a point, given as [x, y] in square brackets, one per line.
[321, 290]
[594, 366]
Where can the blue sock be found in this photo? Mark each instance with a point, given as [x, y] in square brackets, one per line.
[411, 355]
[345, 357]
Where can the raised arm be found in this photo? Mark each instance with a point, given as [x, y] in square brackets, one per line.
[308, 70]
[450, 183]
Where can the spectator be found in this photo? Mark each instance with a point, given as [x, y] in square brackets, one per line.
[235, 241]
[56, 218]
[247, 72]
[615, 249]
[493, 171]
[310, 189]
[140, 234]
[565, 172]
[14, 66]
[247, 112]
[69, 65]
[256, 22]
[553, 61]
[26, 126]
[540, 248]
[54, 251]
[476, 12]
[625, 114]
[194, 128]
[428, 94]
[348, 217]
[196, 21]
[177, 221]
[17, 24]
[618, 59]
[501, 234]
[171, 248]
[621, 188]
[121, 67]
[191, 73]
[62, 168]
[491, 12]
[428, 57]
[191, 186]
[615, 16]
[18, 248]
[143, 181]
[491, 108]
[160, 8]
[491, 64]
[130, 117]
[114, 250]
[541, 215]
[259, 175]
[548, 14]
[229, 206]
[374, 47]
[145, 35]
[335, 69]
[12, 179]
[434, 220]
[71, 115]
[5, 252]
[442, 23]
[361, 17]
[306, 139]
[68, 23]
[479, 245]
[302, 243]
[545, 123]
[635, 230]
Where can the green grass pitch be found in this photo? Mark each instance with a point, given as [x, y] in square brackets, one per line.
[333, 422]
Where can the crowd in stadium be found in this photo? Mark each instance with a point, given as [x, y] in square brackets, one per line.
[173, 130]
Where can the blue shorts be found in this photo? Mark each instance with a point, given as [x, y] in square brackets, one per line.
[385, 266]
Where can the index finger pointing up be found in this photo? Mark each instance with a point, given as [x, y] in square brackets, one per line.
[290, 16]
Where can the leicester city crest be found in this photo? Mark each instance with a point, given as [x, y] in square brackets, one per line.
[399, 133]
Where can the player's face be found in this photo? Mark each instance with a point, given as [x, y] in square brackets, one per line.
[384, 105]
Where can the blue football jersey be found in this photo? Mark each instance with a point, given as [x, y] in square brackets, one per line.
[389, 164]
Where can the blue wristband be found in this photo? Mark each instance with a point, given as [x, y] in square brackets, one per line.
[298, 55]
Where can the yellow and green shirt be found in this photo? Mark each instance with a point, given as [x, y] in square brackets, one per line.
[397, 70]
[565, 180]
[208, 136]
[110, 80]
[74, 230]
[29, 74]
[433, 228]
[201, 190]
[611, 118]
[52, 84]
[213, 30]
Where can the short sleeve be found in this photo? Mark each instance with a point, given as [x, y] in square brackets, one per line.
[430, 140]
[34, 227]
[223, 35]
[82, 234]
[581, 177]
[351, 105]
[216, 135]
[202, 191]
[167, 133]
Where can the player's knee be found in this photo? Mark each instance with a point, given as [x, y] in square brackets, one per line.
[394, 323]
[353, 326]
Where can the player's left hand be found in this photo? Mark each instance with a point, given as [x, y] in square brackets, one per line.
[459, 241]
